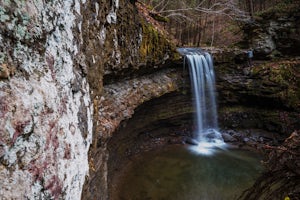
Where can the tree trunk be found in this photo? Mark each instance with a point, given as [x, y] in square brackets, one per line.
[213, 34]
[250, 8]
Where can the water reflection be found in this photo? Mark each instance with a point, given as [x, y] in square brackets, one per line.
[176, 173]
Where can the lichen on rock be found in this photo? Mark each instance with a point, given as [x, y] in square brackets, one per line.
[43, 150]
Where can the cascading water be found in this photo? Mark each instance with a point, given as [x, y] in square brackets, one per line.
[203, 86]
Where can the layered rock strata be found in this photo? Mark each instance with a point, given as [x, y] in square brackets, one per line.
[117, 104]
[53, 57]
[72, 72]
[264, 96]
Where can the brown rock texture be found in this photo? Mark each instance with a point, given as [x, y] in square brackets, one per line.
[117, 104]
[72, 72]
[282, 177]
[53, 57]
[265, 95]
[275, 32]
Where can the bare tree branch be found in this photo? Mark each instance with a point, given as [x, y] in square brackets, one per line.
[228, 8]
[194, 18]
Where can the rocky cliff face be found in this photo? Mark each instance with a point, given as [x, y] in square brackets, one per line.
[118, 104]
[72, 72]
[46, 110]
[54, 105]
[264, 96]
[275, 32]
[281, 179]
[119, 42]
[121, 50]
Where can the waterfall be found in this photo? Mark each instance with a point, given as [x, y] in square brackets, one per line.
[202, 77]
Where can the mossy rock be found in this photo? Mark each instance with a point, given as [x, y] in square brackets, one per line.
[155, 47]
[159, 17]
[281, 80]
[274, 32]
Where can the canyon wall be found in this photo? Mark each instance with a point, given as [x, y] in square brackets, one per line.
[70, 72]
[127, 61]
[264, 96]
[46, 109]
[275, 31]
[73, 72]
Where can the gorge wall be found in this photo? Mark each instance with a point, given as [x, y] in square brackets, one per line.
[46, 109]
[133, 66]
[265, 96]
[275, 31]
[53, 57]
[72, 74]
[269, 91]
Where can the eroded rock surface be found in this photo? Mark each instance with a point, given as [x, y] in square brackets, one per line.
[275, 32]
[53, 57]
[117, 104]
[263, 96]
[72, 71]
[46, 119]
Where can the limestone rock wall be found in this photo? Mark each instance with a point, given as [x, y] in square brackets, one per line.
[121, 49]
[275, 32]
[265, 96]
[117, 104]
[46, 109]
[54, 104]
[120, 99]
[71, 71]
[120, 42]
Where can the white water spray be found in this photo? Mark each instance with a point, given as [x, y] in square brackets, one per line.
[203, 87]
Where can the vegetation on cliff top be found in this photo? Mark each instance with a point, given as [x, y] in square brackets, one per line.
[157, 45]
[279, 9]
[214, 23]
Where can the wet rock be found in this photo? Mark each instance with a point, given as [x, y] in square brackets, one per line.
[267, 97]
[191, 141]
[254, 138]
[227, 137]
[122, 98]
[227, 55]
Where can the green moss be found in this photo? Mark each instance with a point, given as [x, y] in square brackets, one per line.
[159, 18]
[155, 45]
[152, 44]
[280, 80]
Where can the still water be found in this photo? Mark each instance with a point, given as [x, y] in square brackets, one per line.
[175, 173]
